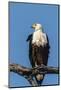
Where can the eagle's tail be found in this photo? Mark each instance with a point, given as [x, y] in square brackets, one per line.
[39, 78]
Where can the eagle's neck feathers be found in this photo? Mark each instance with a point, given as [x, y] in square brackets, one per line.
[39, 38]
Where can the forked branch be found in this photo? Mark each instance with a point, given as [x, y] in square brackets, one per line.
[29, 73]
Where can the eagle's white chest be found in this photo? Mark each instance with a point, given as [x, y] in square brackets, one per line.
[39, 38]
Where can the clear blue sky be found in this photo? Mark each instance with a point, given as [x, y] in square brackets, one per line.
[22, 16]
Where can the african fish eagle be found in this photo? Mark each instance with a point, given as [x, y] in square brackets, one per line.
[38, 48]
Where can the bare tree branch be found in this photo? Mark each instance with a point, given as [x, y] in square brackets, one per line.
[32, 81]
[19, 69]
[29, 73]
[23, 71]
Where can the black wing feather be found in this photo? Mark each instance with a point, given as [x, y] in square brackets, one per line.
[30, 49]
[29, 37]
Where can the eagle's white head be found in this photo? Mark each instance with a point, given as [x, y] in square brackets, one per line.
[37, 26]
[39, 37]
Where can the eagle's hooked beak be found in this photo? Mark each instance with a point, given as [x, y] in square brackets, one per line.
[33, 26]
